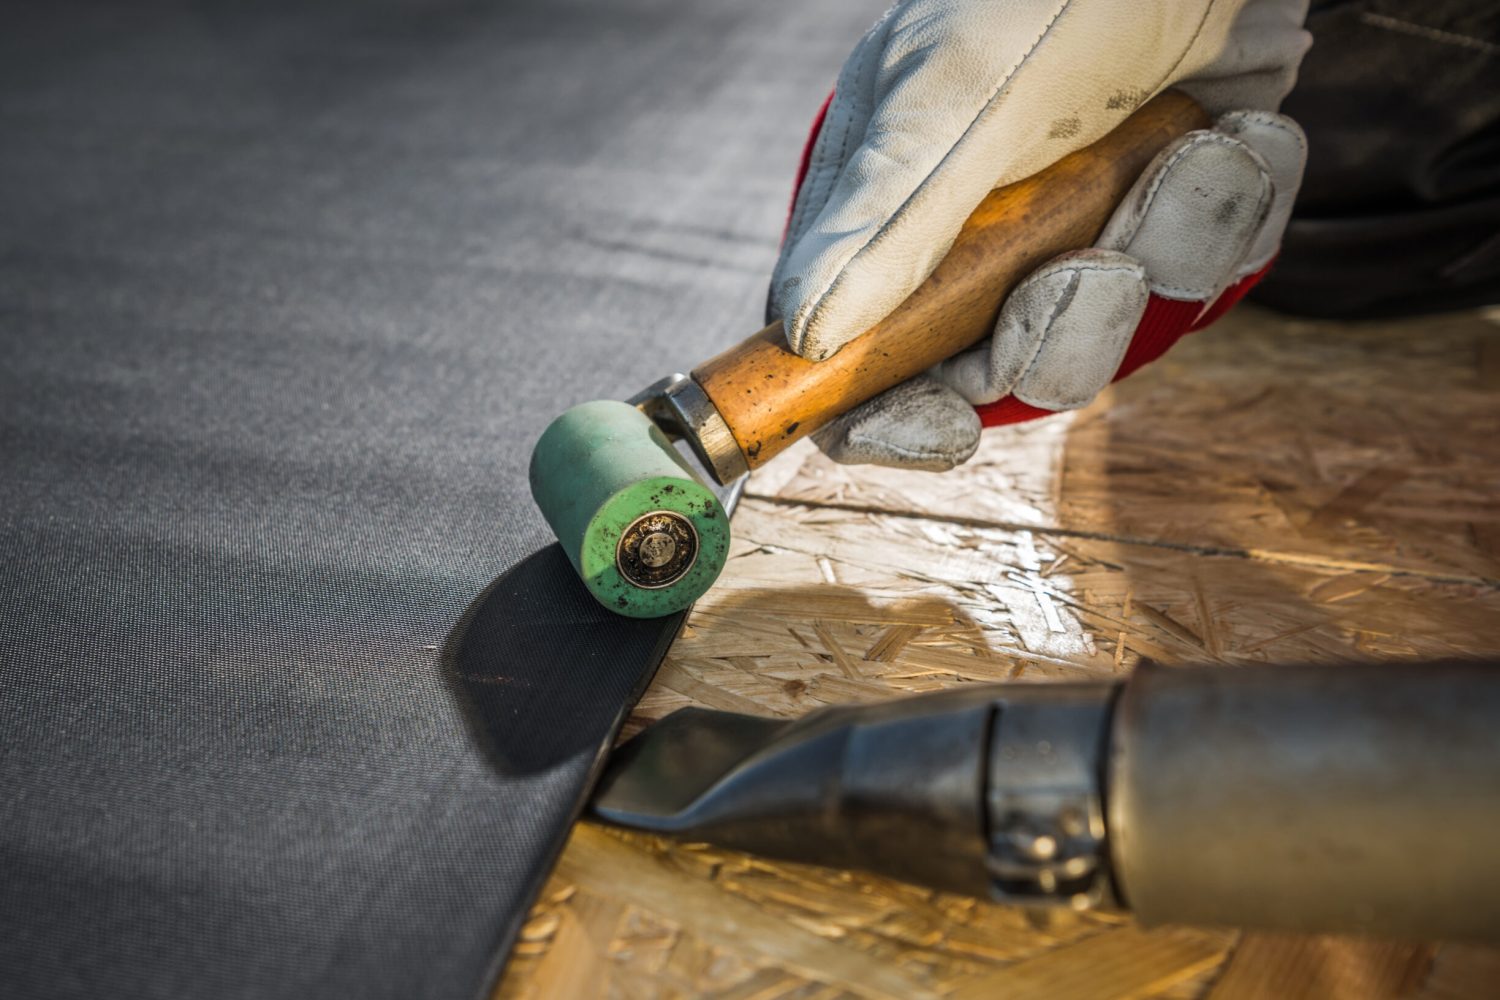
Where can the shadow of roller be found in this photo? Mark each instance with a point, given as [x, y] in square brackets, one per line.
[543, 672]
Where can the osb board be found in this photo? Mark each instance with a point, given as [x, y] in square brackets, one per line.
[1276, 491]
[1361, 444]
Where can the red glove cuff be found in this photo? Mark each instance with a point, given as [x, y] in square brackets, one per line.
[802, 167]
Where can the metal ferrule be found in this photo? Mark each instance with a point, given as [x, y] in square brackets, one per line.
[680, 407]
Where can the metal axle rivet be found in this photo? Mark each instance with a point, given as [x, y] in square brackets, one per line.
[657, 549]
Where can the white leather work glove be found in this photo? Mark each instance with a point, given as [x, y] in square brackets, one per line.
[944, 100]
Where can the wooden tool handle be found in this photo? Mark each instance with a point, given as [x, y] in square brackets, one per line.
[770, 397]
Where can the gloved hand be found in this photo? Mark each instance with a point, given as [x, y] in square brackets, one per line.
[944, 100]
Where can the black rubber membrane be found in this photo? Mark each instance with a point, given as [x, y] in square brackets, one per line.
[297, 701]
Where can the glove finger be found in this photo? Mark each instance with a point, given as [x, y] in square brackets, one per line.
[1282, 144]
[1193, 216]
[919, 424]
[918, 93]
[844, 121]
[1061, 334]
[1254, 64]
[967, 97]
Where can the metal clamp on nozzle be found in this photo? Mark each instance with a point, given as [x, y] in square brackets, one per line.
[981, 789]
[1045, 799]
[680, 407]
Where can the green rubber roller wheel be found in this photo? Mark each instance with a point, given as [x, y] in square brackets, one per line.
[647, 537]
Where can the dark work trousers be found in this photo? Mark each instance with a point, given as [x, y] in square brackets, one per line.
[1400, 209]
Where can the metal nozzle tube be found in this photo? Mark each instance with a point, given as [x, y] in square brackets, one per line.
[1332, 798]
[1340, 798]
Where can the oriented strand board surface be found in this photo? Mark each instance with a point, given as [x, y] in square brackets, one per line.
[1273, 491]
